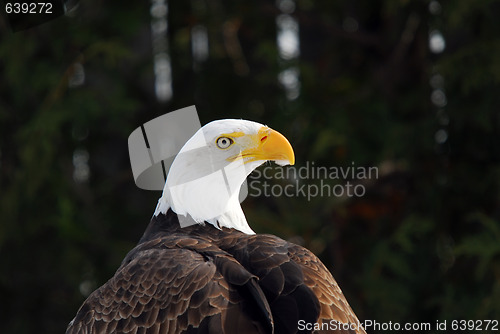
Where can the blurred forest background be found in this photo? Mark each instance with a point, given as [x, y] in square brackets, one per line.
[411, 87]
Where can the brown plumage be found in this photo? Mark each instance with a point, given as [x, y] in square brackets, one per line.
[199, 279]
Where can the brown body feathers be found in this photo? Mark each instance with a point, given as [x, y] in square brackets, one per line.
[199, 279]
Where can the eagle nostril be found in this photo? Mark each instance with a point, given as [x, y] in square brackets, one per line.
[263, 139]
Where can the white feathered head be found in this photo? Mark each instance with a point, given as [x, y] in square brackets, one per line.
[205, 178]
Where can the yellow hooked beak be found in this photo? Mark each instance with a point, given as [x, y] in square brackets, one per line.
[268, 144]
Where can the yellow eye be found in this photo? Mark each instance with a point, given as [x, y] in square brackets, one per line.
[224, 142]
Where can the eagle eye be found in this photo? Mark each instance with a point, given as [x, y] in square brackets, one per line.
[224, 142]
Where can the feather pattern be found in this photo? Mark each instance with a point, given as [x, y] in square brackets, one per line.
[200, 279]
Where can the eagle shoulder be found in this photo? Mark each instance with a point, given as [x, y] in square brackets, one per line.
[296, 283]
[173, 285]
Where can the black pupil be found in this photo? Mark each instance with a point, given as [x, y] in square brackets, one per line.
[224, 142]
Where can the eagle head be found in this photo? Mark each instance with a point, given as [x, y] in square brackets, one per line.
[205, 178]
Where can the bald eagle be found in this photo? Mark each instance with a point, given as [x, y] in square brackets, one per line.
[200, 268]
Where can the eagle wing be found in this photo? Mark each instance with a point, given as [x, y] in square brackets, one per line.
[297, 285]
[176, 285]
[333, 304]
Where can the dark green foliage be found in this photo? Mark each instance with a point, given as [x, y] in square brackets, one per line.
[423, 243]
